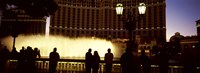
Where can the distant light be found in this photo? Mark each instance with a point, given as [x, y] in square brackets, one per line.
[198, 25]
[119, 9]
[193, 46]
[8, 7]
[139, 51]
[198, 67]
[147, 51]
[142, 8]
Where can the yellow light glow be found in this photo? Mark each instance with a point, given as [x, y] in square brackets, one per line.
[47, 26]
[119, 9]
[147, 51]
[66, 47]
[139, 51]
[142, 8]
[198, 25]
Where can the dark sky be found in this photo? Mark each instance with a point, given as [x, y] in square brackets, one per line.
[181, 16]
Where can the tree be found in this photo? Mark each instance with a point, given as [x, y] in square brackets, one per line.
[175, 43]
[34, 8]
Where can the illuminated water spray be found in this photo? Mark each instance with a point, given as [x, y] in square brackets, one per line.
[67, 47]
[47, 26]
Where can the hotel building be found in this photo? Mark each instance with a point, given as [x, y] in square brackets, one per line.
[18, 22]
[98, 18]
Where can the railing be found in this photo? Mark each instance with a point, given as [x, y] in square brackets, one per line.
[64, 66]
[78, 66]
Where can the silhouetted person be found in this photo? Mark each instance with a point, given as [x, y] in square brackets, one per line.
[30, 60]
[4, 56]
[21, 61]
[109, 60]
[37, 53]
[53, 60]
[95, 62]
[14, 53]
[145, 62]
[129, 62]
[88, 61]
[163, 61]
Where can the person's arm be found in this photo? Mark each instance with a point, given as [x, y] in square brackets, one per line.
[112, 56]
[50, 56]
[39, 54]
[58, 56]
[99, 58]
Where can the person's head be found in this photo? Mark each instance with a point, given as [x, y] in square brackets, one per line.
[96, 53]
[36, 49]
[89, 50]
[109, 50]
[55, 49]
[29, 48]
[23, 48]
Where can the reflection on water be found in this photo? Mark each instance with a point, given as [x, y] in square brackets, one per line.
[66, 47]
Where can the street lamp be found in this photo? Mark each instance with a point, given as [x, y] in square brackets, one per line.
[142, 8]
[119, 9]
[131, 45]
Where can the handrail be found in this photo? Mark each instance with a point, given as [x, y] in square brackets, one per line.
[79, 65]
[73, 60]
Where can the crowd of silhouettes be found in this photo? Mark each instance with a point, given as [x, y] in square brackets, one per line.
[25, 58]
[4, 57]
[131, 61]
[92, 61]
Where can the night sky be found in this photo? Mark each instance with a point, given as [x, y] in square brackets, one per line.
[181, 16]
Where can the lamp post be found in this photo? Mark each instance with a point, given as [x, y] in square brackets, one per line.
[130, 24]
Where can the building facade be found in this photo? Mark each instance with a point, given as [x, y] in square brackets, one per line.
[98, 18]
[18, 22]
[198, 27]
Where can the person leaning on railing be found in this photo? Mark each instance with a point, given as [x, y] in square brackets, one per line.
[53, 60]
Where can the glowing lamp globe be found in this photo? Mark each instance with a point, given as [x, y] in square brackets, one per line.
[119, 9]
[142, 8]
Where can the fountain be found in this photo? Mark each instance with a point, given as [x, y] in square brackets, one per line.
[66, 47]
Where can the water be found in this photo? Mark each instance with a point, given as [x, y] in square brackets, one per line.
[66, 47]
